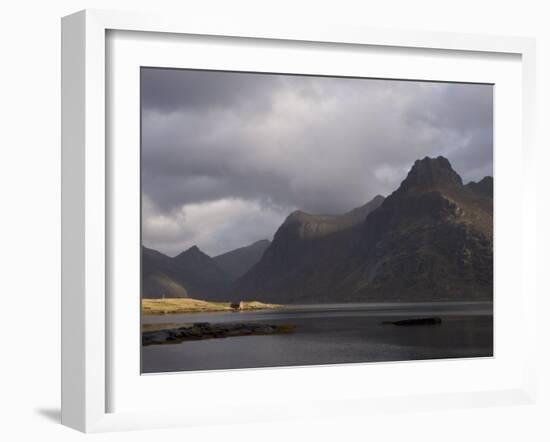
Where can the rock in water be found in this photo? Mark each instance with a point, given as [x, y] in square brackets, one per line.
[418, 321]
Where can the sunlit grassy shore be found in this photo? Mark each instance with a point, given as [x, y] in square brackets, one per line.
[187, 305]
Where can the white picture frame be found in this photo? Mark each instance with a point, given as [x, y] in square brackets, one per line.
[86, 206]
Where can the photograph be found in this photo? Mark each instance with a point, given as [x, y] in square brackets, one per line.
[301, 220]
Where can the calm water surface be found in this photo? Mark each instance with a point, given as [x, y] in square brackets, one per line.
[330, 334]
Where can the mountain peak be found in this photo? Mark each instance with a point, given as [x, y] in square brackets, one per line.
[488, 180]
[297, 215]
[305, 225]
[192, 251]
[483, 187]
[431, 172]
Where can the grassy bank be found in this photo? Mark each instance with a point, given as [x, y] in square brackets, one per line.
[188, 305]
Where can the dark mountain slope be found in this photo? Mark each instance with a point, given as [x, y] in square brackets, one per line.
[159, 276]
[192, 273]
[239, 261]
[200, 269]
[429, 240]
[304, 257]
[483, 187]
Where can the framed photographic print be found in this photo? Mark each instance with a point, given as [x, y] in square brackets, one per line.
[313, 220]
[250, 213]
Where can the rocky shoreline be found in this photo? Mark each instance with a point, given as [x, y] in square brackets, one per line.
[205, 330]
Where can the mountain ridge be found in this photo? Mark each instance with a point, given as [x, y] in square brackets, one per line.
[191, 273]
[431, 239]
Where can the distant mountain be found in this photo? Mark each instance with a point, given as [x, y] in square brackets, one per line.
[200, 269]
[429, 240]
[159, 276]
[190, 274]
[483, 187]
[237, 262]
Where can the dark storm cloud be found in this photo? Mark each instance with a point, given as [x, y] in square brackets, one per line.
[246, 149]
[169, 90]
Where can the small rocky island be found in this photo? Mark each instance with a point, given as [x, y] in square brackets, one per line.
[435, 320]
[205, 330]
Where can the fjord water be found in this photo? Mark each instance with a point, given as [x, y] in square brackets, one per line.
[330, 334]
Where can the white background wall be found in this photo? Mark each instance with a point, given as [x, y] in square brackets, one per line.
[30, 219]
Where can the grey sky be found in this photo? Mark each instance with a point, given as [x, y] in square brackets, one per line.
[227, 156]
